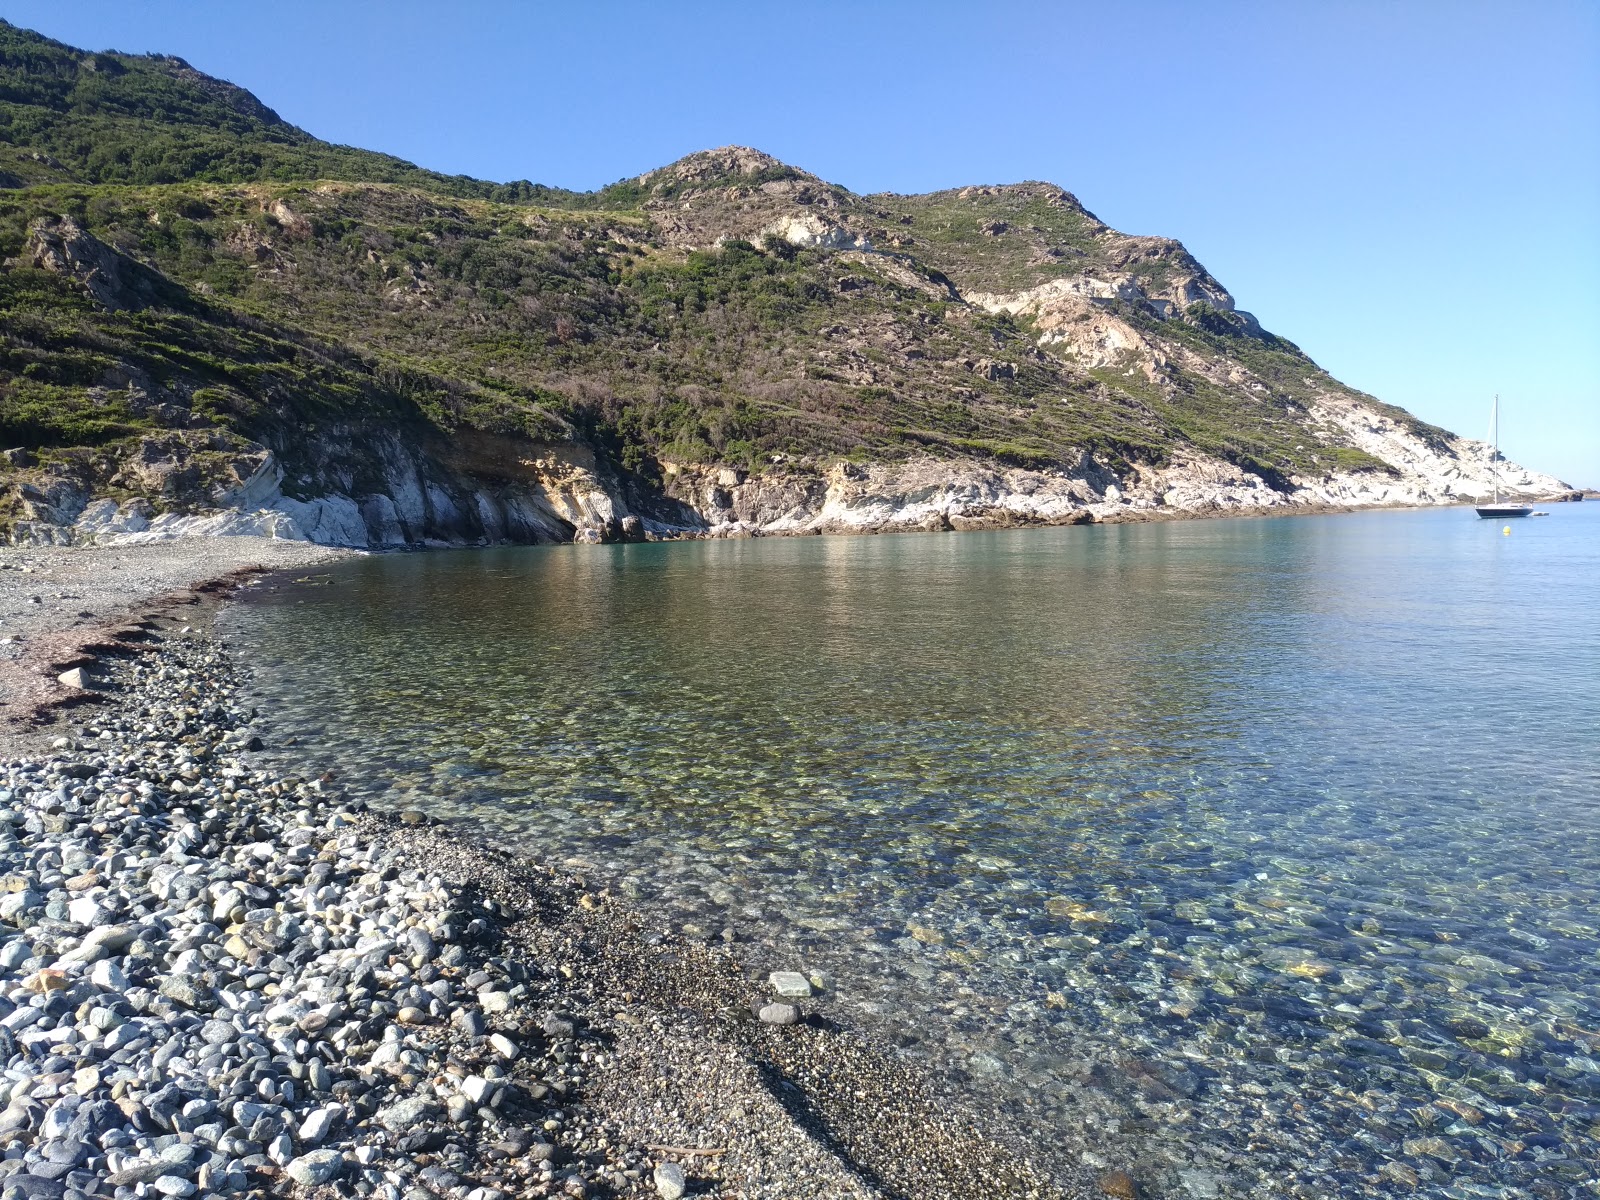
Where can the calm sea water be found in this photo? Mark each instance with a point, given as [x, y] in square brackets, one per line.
[1260, 855]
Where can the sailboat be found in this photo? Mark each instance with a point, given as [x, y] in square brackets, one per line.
[1495, 508]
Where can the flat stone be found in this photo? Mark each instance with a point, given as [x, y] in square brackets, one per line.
[142, 1171]
[48, 980]
[113, 939]
[218, 1033]
[422, 944]
[403, 1115]
[180, 989]
[85, 910]
[35, 1187]
[1119, 1185]
[790, 983]
[316, 1127]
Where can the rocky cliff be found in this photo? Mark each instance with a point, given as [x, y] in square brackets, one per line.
[727, 345]
[568, 494]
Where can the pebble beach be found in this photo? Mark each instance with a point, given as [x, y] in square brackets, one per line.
[222, 978]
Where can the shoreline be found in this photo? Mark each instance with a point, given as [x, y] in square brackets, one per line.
[638, 1041]
[866, 506]
[61, 606]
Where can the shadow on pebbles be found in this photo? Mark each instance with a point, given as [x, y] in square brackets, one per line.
[217, 978]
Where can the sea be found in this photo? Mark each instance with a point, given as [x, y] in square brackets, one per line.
[1260, 854]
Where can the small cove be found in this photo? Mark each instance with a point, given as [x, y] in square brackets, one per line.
[1261, 854]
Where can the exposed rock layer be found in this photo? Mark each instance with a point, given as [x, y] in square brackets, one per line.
[564, 494]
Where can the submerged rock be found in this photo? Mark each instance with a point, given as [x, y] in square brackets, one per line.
[790, 983]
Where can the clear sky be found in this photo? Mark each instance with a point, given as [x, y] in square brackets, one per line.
[1408, 189]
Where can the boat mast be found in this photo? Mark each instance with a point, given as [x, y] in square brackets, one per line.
[1494, 443]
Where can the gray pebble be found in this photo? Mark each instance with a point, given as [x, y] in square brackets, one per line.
[779, 1014]
[669, 1181]
[316, 1166]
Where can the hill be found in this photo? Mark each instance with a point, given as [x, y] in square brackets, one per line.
[213, 320]
[71, 116]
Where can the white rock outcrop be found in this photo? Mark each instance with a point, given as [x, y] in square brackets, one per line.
[808, 230]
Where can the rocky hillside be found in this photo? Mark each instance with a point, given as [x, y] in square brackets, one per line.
[212, 321]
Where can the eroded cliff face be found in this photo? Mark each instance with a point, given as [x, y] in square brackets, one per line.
[565, 494]
[937, 494]
[399, 496]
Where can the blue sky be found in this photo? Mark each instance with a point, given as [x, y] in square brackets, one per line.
[1409, 190]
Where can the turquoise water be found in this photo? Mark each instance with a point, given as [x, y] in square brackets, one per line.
[1262, 855]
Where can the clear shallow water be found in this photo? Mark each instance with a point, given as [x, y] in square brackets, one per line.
[1261, 854]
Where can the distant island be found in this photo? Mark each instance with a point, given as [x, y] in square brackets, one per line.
[214, 322]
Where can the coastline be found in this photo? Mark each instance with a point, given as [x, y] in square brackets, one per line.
[224, 530]
[675, 1055]
[628, 1040]
[579, 499]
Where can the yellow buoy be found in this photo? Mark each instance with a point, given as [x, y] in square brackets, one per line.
[1506, 530]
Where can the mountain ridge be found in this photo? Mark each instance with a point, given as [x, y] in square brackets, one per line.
[200, 337]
